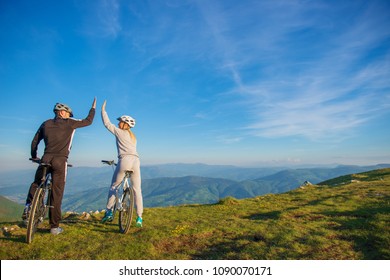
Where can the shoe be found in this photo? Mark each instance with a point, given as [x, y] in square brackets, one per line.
[26, 211]
[108, 217]
[56, 230]
[138, 222]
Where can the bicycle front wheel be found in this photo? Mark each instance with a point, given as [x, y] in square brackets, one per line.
[37, 213]
[127, 209]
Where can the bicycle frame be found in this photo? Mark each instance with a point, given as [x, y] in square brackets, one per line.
[41, 201]
[124, 201]
[124, 185]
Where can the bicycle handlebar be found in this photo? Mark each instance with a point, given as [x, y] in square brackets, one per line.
[36, 160]
[109, 162]
[39, 161]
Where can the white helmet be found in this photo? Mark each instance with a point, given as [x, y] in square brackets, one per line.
[127, 119]
[63, 107]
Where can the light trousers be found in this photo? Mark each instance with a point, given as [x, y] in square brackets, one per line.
[131, 163]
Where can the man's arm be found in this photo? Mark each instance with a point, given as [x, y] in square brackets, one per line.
[88, 120]
[35, 142]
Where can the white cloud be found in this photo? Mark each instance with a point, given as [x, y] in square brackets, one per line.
[108, 15]
[319, 89]
[228, 140]
[102, 18]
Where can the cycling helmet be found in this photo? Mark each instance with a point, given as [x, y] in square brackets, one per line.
[63, 107]
[127, 119]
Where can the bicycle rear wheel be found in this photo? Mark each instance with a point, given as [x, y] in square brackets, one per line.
[127, 209]
[37, 213]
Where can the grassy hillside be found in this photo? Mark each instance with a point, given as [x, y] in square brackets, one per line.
[9, 210]
[346, 218]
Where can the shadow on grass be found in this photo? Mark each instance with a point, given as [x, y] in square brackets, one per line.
[236, 249]
[272, 215]
[15, 238]
[363, 228]
[19, 235]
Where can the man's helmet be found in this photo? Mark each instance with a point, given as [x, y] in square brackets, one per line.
[127, 119]
[63, 107]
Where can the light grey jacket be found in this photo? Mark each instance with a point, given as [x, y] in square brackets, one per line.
[124, 143]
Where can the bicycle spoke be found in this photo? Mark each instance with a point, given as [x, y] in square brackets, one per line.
[126, 214]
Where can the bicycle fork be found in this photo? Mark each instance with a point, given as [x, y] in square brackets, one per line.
[119, 203]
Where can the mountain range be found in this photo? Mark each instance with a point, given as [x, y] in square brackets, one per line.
[344, 218]
[178, 184]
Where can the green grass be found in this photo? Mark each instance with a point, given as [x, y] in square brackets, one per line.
[9, 210]
[339, 220]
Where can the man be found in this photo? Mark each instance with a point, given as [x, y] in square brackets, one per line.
[57, 134]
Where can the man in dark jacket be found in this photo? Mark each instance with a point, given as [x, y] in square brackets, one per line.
[57, 134]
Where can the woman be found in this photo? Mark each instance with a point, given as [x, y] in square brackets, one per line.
[128, 159]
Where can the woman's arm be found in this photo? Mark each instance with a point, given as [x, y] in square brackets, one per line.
[106, 120]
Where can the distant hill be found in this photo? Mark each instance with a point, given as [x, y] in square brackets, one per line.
[205, 170]
[161, 192]
[344, 218]
[87, 187]
[14, 184]
[157, 192]
[9, 210]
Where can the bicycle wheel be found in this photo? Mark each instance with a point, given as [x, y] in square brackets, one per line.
[127, 209]
[37, 213]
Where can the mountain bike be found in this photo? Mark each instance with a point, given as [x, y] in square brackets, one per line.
[124, 200]
[41, 201]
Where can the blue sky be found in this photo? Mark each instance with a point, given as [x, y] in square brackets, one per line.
[249, 83]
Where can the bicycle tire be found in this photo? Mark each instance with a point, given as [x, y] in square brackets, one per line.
[127, 209]
[37, 213]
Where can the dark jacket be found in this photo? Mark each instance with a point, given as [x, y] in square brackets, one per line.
[58, 134]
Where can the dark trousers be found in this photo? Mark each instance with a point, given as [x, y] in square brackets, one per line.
[58, 172]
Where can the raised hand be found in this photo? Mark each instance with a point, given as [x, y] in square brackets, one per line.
[94, 103]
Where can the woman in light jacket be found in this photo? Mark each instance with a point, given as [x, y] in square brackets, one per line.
[128, 159]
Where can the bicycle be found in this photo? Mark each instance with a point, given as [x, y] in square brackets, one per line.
[124, 200]
[41, 201]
